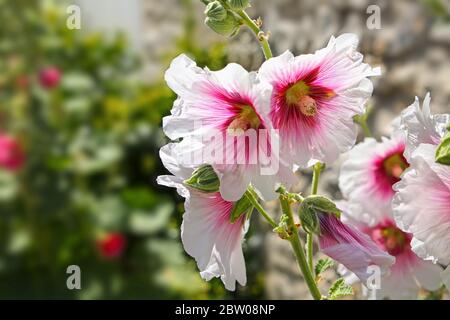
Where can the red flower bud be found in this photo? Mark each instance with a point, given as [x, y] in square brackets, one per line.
[11, 153]
[112, 245]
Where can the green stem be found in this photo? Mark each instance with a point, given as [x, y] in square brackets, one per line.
[250, 194]
[317, 169]
[264, 43]
[297, 247]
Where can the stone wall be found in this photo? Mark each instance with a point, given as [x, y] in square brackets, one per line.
[412, 47]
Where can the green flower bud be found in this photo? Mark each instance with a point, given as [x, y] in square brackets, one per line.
[204, 179]
[238, 4]
[321, 203]
[227, 27]
[215, 11]
[313, 205]
[309, 219]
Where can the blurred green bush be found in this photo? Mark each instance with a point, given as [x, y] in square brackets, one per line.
[86, 194]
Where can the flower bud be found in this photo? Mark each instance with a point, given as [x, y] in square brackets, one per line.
[227, 27]
[204, 179]
[215, 11]
[238, 4]
[50, 77]
[12, 156]
[112, 245]
[309, 219]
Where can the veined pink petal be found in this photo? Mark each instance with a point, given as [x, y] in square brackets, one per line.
[227, 110]
[315, 97]
[420, 126]
[421, 205]
[409, 273]
[210, 237]
[206, 232]
[371, 169]
[352, 248]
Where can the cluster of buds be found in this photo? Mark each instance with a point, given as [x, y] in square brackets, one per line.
[221, 16]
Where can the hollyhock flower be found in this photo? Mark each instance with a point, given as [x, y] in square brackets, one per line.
[112, 245]
[315, 97]
[50, 77]
[11, 153]
[409, 273]
[350, 247]
[228, 109]
[421, 126]
[206, 232]
[370, 171]
[421, 205]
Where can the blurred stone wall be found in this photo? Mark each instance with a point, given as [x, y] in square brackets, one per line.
[412, 47]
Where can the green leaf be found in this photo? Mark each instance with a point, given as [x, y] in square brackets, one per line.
[322, 265]
[443, 151]
[242, 206]
[309, 219]
[322, 204]
[144, 222]
[339, 289]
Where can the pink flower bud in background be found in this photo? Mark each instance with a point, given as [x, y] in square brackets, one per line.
[11, 153]
[50, 77]
[112, 245]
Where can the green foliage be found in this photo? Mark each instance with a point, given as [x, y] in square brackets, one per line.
[322, 265]
[339, 289]
[91, 147]
[443, 150]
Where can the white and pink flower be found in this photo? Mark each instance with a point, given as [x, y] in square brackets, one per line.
[315, 97]
[228, 110]
[420, 126]
[350, 247]
[370, 171]
[206, 232]
[409, 273]
[421, 205]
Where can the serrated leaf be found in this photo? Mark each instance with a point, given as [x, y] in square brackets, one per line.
[339, 289]
[322, 265]
[443, 151]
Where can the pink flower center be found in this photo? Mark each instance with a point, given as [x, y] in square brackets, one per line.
[394, 165]
[390, 238]
[244, 119]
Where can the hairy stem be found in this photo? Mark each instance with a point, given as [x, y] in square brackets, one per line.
[317, 169]
[262, 38]
[296, 245]
[250, 194]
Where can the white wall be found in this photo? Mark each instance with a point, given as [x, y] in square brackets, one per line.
[113, 15]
